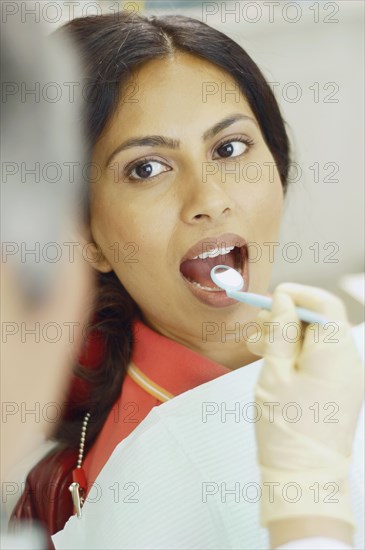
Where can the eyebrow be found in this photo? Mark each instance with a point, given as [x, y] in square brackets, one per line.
[169, 143]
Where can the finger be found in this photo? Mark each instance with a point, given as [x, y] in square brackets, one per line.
[280, 354]
[316, 299]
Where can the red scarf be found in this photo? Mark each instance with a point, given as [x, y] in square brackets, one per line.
[161, 369]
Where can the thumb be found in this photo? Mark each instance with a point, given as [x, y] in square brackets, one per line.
[256, 342]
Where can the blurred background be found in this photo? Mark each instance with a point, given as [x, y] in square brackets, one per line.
[312, 54]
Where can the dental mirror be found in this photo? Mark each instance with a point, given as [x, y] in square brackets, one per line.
[226, 277]
[232, 282]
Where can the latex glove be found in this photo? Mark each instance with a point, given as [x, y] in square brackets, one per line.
[316, 383]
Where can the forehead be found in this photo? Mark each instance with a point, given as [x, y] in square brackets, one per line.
[175, 96]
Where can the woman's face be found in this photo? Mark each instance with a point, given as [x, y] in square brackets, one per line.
[208, 178]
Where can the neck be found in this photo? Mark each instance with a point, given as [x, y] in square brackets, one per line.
[232, 355]
[230, 351]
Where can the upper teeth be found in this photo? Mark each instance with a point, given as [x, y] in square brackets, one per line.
[215, 252]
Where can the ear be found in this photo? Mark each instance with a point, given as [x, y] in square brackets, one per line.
[97, 258]
[92, 251]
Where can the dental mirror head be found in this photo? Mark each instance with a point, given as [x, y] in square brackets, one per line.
[226, 277]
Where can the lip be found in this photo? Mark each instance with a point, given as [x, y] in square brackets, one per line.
[217, 298]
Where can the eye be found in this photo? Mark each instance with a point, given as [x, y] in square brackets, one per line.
[235, 147]
[146, 169]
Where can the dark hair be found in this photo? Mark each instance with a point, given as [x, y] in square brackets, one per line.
[112, 46]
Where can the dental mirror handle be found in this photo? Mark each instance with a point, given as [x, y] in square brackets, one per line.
[264, 302]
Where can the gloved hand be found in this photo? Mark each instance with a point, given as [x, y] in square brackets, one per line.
[310, 390]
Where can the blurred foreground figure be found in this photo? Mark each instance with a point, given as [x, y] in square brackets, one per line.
[46, 285]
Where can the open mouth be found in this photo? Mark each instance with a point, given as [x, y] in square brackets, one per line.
[197, 270]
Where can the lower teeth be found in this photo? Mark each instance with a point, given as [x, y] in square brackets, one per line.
[204, 287]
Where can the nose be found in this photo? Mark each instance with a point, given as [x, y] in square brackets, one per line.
[203, 198]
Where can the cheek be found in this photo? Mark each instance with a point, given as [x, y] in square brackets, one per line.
[270, 189]
[111, 219]
[129, 236]
[261, 203]
[270, 202]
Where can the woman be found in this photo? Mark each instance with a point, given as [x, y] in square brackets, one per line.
[177, 111]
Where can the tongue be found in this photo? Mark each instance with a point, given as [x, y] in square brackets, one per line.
[199, 270]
